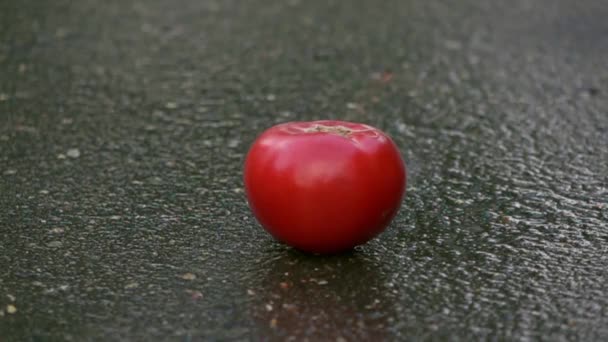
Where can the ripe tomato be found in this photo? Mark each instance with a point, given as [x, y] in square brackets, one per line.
[324, 186]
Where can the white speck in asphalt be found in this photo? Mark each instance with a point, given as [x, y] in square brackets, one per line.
[73, 153]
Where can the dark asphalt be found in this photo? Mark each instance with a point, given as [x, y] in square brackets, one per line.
[123, 127]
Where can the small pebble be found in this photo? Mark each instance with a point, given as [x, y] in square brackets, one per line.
[55, 244]
[57, 230]
[43, 192]
[171, 105]
[61, 156]
[156, 180]
[10, 172]
[195, 295]
[232, 143]
[188, 276]
[131, 285]
[289, 307]
[453, 45]
[73, 153]
[11, 309]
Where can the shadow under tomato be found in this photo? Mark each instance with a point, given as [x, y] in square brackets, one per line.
[303, 296]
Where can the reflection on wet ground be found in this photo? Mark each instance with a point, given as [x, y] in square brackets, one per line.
[333, 298]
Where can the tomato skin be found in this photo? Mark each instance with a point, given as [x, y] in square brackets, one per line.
[324, 186]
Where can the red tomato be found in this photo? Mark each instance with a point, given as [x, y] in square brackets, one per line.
[324, 186]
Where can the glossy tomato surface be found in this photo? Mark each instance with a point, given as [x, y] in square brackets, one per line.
[324, 186]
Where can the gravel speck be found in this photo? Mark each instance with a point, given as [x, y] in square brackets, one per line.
[195, 295]
[73, 153]
[11, 309]
[188, 276]
[453, 45]
[10, 172]
[55, 244]
[232, 143]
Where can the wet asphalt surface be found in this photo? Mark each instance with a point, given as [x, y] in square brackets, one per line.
[123, 127]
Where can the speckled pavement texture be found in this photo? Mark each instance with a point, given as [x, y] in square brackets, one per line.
[123, 127]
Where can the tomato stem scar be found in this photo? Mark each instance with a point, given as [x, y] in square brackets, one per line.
[341, 130]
